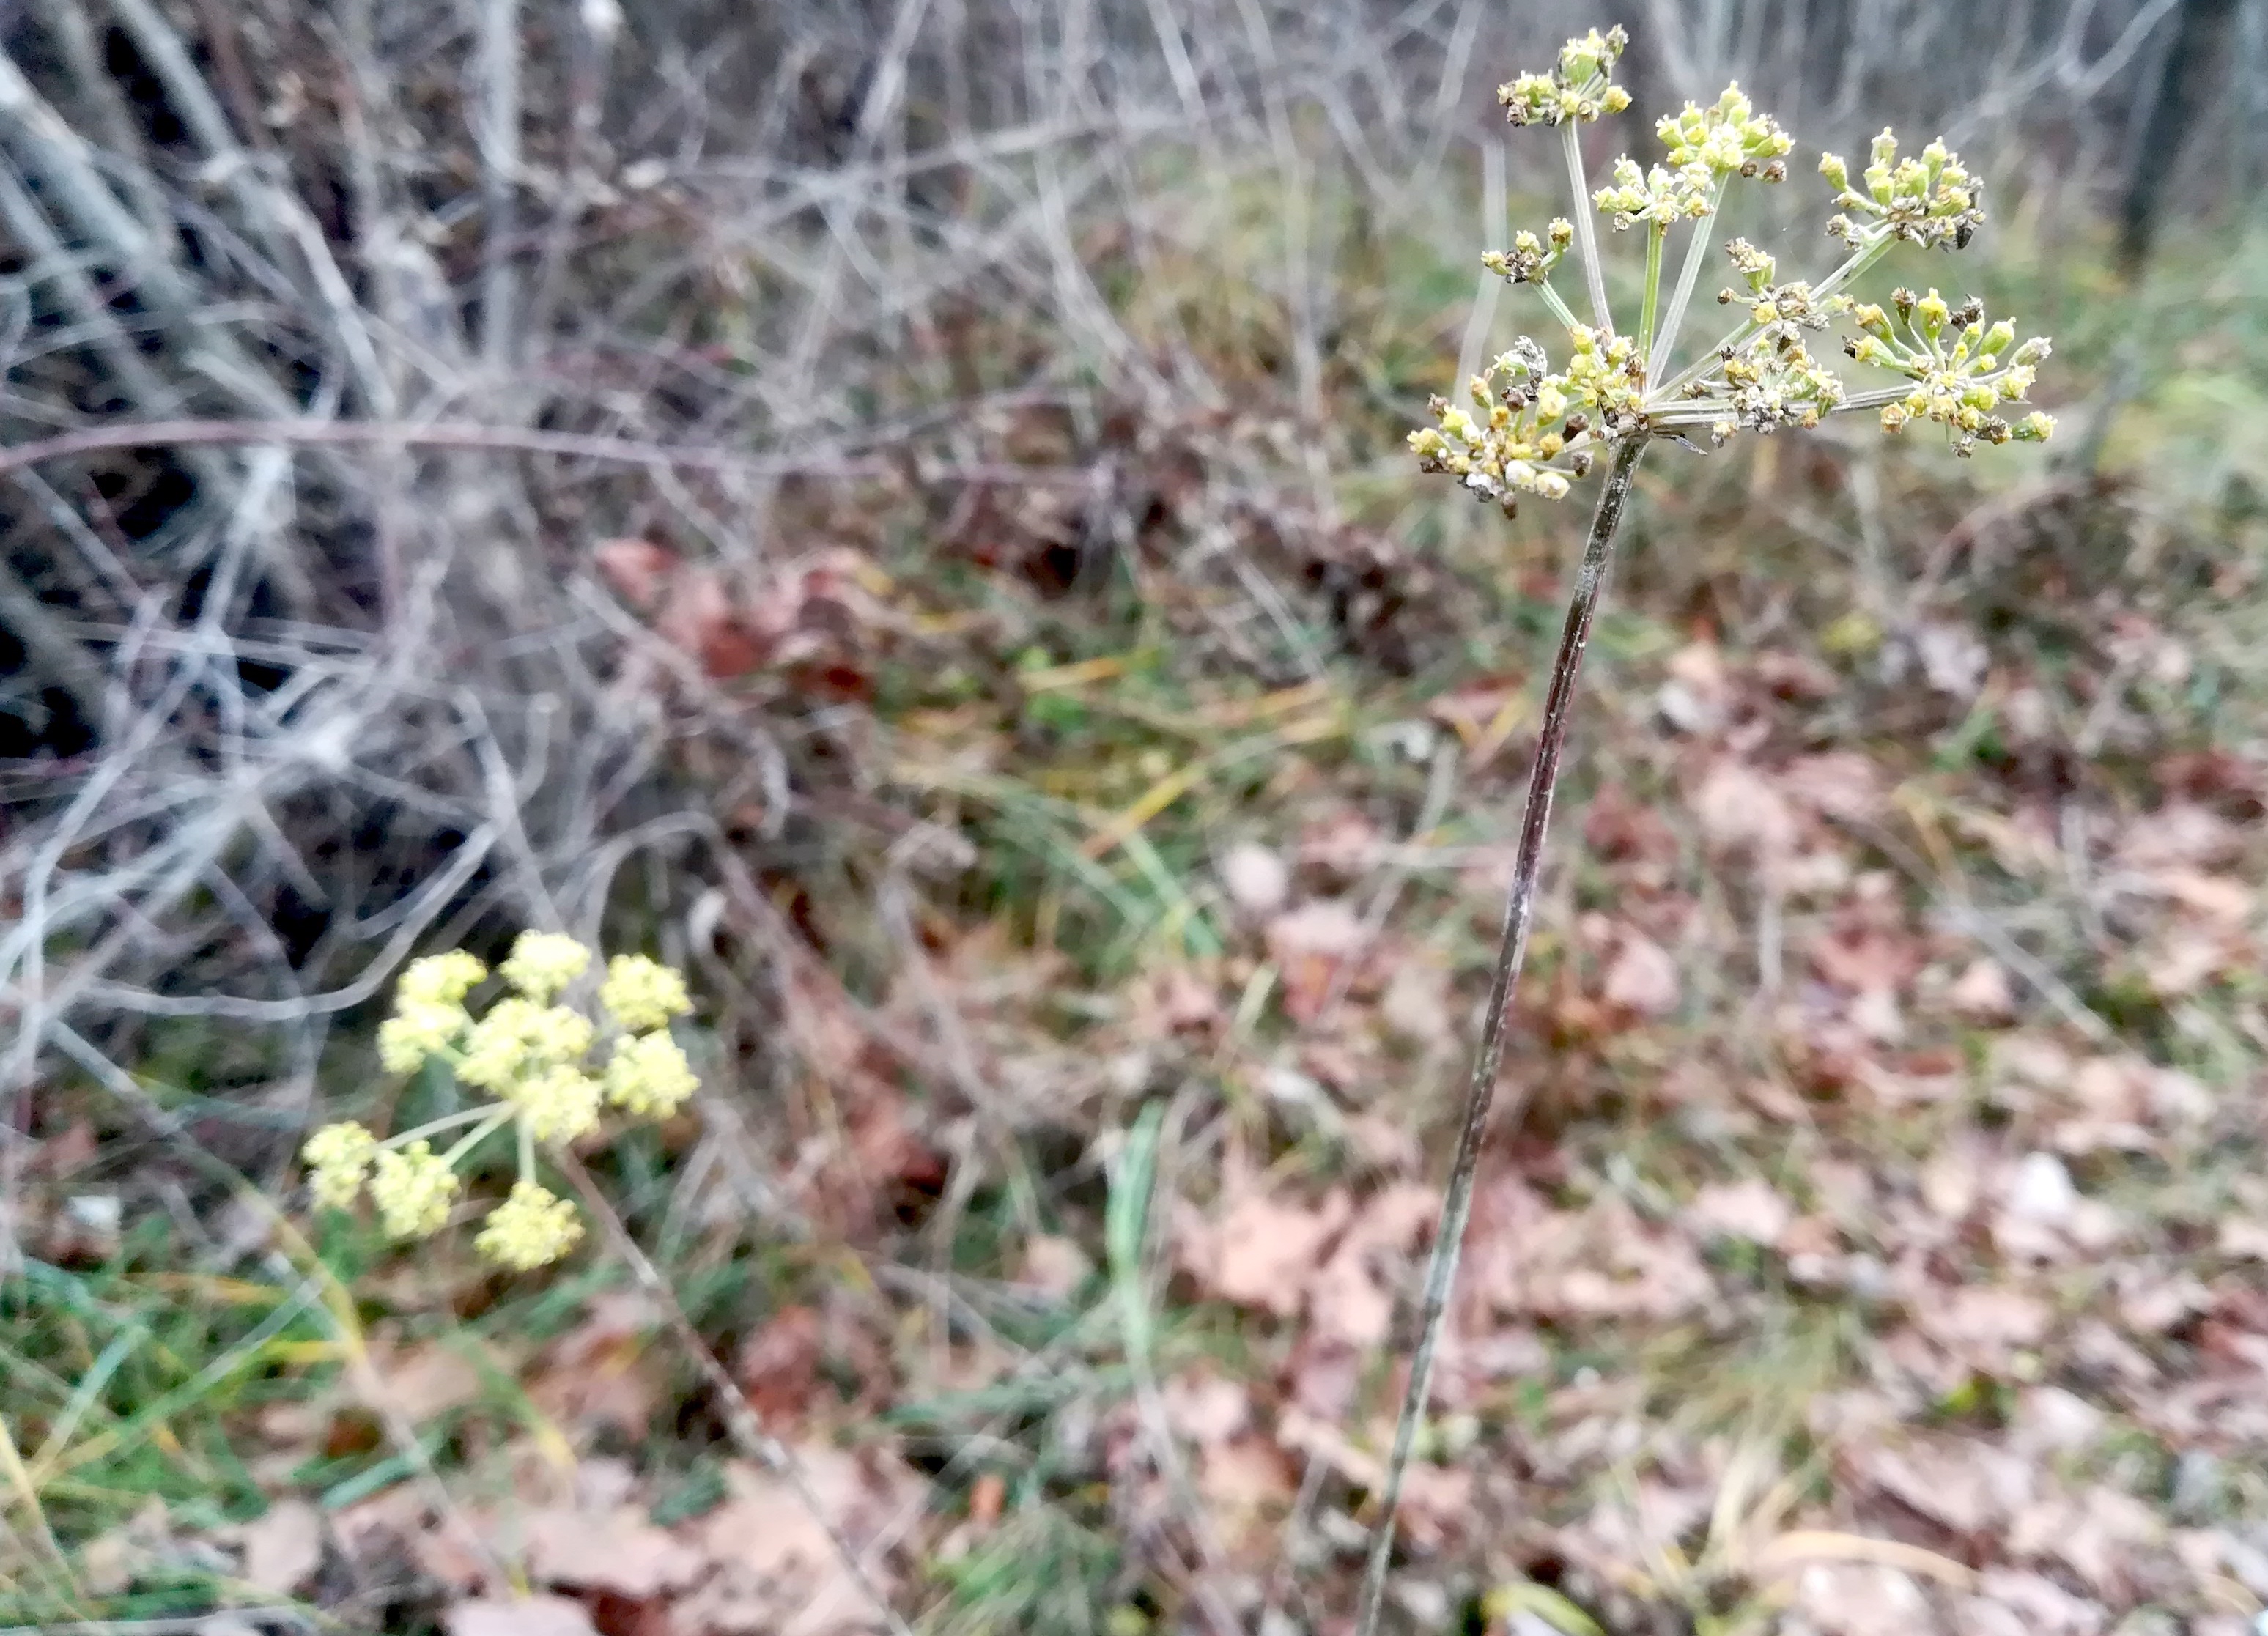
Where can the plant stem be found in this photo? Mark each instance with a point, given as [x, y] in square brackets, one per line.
[1586, 243]
[492, 1119]
[1560, 309]
[448, 1121]
[1480, 1091]
[1696, 248]
[1858, 262]
[1657, 234]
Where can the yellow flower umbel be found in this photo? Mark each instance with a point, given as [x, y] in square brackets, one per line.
[1539, 430]
[543, 963]
[429, 1010]
[1580, 87]
[413, 1187]
[533, 1227]
[649, 1076]
[1962, 372]
[643, 995]
[532, 1054]
[339, 1157]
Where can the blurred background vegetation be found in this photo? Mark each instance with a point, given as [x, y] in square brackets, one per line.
[901, 509]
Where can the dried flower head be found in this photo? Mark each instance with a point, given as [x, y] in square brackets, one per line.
[1580, 85]
[533, 1227]
[1522, 442]
[1660, 196]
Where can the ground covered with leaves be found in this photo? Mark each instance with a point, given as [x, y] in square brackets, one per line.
[1874, 1239]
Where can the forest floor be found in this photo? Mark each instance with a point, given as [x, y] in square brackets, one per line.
[1873, 1237]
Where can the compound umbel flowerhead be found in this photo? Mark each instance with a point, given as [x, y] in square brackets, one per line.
[1530, 428]
[530, 1052]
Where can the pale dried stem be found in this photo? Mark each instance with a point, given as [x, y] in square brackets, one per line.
[1587, 238]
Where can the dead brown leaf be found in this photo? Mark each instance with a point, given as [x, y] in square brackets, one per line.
[1262, 1249]
[283, 1547]
[1965, 1484]
[1740, 810]
[1642, 978]
[776, 1571]
[1309, 944]
[600, 1375]
[616, 1549]
[778, 1365]
[1749, 1209]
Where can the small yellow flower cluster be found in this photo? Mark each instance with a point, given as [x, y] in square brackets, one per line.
[1580, 87]
[429, 1010]
[531, 1229]
[530, 1054]
[413, 1187]
[1775, 383]
[1960, 376]
[1604, 373]
[1728, 138]
[1778, 309]
[1531, 260]
[1706, 145]
[1521, 445]
[643, 995]
[1657, 197]
[649, 1076]
[518, 1039]
[338, 1157]
[1931, 199]
[543, 963]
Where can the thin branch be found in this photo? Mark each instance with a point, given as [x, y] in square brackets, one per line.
[1480, 1092]
[1586, 239]
[497, 439]
[1665, 340]
[500, 148]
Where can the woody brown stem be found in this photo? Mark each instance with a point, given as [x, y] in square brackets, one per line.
[1480, 1092]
